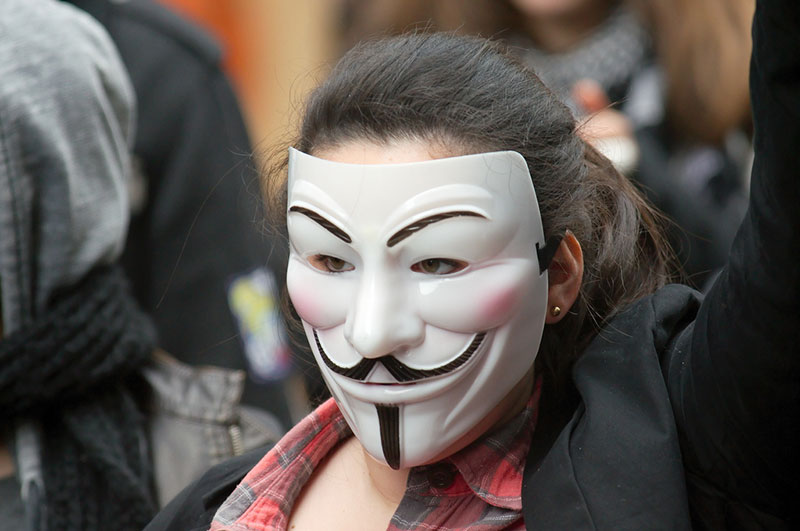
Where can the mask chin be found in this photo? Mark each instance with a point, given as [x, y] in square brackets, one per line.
[413, 424]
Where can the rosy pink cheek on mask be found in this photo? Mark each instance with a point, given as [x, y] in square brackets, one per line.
[306, 304]
[499, 306]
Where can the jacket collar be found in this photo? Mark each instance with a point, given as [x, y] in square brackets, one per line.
[609, 457]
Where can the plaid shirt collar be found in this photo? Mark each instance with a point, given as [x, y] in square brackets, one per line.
[492, 466]
[481, 483]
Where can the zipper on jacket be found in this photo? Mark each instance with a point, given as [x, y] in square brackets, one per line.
[236, 439]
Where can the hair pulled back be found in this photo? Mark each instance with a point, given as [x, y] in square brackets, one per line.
[466, 95]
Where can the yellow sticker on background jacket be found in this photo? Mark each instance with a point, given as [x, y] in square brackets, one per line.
[253, 300]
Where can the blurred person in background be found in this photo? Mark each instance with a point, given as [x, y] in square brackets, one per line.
[97, 426]
[197, 255]
[661, 87]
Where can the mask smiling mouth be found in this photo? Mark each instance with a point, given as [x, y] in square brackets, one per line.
[399, 370]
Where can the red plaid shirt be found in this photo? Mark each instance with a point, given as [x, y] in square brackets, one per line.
[478, 488]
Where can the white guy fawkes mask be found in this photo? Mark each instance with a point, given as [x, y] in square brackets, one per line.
[419, 289]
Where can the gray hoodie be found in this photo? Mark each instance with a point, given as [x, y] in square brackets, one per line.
[66, 116]
[65, 124]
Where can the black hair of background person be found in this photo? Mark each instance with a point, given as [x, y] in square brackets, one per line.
[201, 222]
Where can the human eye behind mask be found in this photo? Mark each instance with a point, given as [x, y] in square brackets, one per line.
[329, 264]
[439, 266]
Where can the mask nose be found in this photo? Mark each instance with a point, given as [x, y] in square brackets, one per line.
[381, 319]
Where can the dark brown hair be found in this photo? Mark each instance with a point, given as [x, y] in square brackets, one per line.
[467, 95]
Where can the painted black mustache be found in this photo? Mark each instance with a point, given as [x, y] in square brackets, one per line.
[399, 370]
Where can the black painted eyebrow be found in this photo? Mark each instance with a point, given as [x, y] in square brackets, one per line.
[324, 223]
[417, 226]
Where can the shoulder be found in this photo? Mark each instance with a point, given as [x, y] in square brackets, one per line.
[148, 28]
[671, 299]
[651, 324]
[195, 506]
[594, 445]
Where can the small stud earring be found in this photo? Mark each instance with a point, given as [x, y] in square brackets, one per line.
[555, 311]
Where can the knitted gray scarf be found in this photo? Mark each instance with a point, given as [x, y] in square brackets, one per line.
[610, 55]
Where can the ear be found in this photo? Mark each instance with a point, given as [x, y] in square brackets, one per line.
[565, 275]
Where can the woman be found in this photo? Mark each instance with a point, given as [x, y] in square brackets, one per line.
[426, 270]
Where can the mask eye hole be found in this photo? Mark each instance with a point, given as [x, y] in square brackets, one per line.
[330, 264]
[438, 266]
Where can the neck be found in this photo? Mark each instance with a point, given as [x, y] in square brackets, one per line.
[558, 33]
[387, 484]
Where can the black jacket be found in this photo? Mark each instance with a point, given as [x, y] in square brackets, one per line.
[199, 224]
[686, 412]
